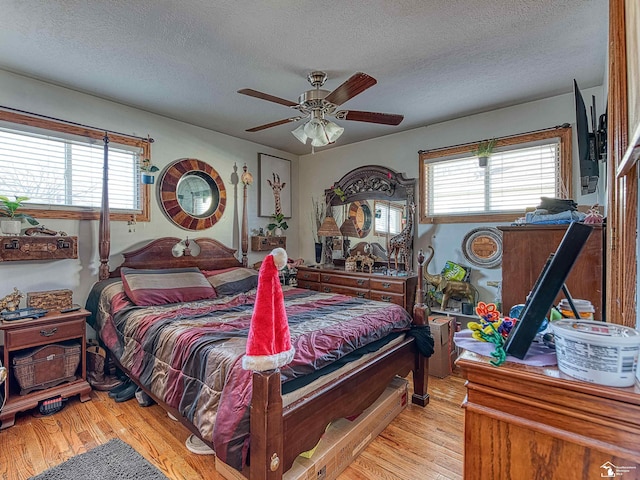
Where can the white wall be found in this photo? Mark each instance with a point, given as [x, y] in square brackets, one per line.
[173, 140]
[400, 152]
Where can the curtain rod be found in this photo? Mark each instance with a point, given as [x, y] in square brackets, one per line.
[564, 125]
[39, 115]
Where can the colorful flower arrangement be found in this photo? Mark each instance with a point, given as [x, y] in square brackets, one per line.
[493, 329]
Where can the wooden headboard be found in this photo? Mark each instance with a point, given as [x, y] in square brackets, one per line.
[159, 253]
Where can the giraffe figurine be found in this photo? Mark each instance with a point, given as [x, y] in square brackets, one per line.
[277, 187]
[402, 242]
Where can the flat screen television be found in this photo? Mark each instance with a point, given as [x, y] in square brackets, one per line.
[546, 288]
[591, 144]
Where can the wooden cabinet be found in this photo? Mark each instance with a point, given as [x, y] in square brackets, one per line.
[525, 251]
[400, 290]
[266, 244]
[524, 422]
[20, 335]
[25, 247]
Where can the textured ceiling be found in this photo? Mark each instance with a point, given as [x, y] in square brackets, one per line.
[434, 60]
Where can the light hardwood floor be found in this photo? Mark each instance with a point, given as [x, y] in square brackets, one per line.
[420, 444]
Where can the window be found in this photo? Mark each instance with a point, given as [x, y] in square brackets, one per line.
[389, 217]
[523, 168]
[59, 168]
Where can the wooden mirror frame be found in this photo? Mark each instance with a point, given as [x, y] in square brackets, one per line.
[169, 197]
[361, 208]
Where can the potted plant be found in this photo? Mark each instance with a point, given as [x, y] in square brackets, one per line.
[148, 170]
[8, 209]
[277, 225]
[484, 150]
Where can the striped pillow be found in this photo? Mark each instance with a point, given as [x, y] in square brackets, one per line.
[231, 281]
[159, 287]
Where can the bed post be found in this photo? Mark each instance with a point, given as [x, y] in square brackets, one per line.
[267, 435]
[420, 317]
[104, 242]
[247, 179]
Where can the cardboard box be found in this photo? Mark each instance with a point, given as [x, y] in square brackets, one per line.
[343, 440]
[444, 354]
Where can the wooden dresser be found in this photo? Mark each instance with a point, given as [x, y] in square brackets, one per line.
[396, 289]
[525, 251]
[524, 422]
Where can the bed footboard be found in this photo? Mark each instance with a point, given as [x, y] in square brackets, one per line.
[282, 433]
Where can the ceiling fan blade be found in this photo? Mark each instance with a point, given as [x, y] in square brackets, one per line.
[273, 124]
[356, 84]
[266, 96]
[371, 117]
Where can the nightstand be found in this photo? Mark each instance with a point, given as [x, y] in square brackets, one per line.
[20, 335]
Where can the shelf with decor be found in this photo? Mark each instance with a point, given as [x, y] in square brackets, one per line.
[266, 244]
[25, 247]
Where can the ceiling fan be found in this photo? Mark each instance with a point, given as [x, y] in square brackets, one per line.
[317, 103]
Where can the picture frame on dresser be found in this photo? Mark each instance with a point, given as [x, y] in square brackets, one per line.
[274, 183]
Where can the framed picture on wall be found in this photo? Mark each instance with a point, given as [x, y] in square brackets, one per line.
[274, 185]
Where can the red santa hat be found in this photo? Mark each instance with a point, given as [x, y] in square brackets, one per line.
[269, 342]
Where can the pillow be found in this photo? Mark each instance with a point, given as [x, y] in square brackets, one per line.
[171, 285]
[231, 281]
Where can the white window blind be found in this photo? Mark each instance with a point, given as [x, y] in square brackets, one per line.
[65, 171]
[388, 218]
[514, 178]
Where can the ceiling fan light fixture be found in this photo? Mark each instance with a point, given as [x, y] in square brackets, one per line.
[321, 132]
[333, 131]
[299, 134]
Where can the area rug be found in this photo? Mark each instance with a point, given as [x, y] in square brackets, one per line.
[114, 460]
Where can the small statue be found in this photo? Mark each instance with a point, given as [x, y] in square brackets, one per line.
[11, 301]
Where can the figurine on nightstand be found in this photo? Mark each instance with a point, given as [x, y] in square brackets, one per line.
[11, 301]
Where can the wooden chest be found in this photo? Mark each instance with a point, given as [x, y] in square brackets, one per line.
[23, 247]
[266, 244]
[46, 366]
[50, 299]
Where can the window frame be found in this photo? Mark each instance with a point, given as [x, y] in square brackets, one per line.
[426, 157]
[388, 204]
[92, 213]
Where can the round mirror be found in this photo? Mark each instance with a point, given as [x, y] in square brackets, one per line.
[197, 194]
[360, 213]
[192, 194]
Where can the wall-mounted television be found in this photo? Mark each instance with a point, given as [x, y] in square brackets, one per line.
[546, 288]
[592, 145]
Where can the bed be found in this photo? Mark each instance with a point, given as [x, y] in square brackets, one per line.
[166, 349]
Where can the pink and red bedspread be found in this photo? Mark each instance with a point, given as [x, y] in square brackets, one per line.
[189, 354]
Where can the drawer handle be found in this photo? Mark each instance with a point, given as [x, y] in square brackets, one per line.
[386, 298]
[361, 294]
[48, 333]
[307, 275]
[326, 278]
[360, 281]
[386, 285]
[326, 290]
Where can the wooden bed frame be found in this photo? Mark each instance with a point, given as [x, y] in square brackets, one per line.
[279, 434]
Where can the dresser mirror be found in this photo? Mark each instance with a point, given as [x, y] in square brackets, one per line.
[371, 205]
[192, 194]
